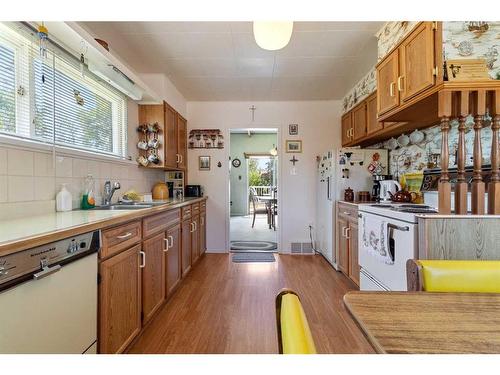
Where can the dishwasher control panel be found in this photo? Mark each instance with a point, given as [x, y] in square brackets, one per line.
[24, 264]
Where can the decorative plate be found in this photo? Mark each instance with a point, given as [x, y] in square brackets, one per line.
[236, 162]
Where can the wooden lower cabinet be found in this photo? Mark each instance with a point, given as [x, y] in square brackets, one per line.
[173, 260]
[153, 275]
[343, 261]
[347, 229]
[186, 230]
[119, 300]
[195, 239]
[203, 233]
[353, 252]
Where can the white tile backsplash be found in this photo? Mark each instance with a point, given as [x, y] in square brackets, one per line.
[20, 188]
[29, 180]
[19, 162]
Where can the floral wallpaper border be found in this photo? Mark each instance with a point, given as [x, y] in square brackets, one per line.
[366, 86]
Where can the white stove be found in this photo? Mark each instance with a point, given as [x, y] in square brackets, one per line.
[387, 238]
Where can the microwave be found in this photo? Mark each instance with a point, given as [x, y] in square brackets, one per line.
[194, 191]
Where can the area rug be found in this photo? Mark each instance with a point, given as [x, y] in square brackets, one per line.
[254, 245]
[252, 257]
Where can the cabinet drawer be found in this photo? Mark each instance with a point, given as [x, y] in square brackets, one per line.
[203, 206]
[186, 212]
[347, 211]
[119, 238]
[160, 222]
[195, 207]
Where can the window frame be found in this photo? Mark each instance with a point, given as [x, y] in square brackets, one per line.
[64, 63]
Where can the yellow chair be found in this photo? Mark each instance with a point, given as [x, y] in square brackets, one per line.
[294, 335]
[466, 276]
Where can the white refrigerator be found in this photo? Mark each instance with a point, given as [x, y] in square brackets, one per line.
[338, 170]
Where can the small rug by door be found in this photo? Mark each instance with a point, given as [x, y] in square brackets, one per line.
[254, 245]
[252, 257]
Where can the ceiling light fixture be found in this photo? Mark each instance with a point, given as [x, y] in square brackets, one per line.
[272, 35]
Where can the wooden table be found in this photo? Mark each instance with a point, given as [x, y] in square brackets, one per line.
[421, 322]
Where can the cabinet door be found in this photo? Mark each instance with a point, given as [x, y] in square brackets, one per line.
[387, 76]
[353, 252]
[346, 128]
[359, 121]
[186, 247]
[173, 259]
[416, 62]
[119, 301]
[153, 275]
[372, 124]
[343, 261]
[182, 141]
[203, 233]
[195, 239]
[171, 141]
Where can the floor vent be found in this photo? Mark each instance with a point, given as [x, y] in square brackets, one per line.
[301, 248]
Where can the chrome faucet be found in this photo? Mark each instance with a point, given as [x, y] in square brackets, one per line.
[109, 191]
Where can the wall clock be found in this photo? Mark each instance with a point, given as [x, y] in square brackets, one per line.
[236, 163]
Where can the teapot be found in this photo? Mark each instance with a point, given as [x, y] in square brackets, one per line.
[402, 196]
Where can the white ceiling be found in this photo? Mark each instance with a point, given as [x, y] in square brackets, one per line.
[221, 61]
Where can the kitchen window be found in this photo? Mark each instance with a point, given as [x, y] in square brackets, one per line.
[55, 99]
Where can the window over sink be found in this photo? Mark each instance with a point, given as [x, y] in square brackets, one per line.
[56, 99]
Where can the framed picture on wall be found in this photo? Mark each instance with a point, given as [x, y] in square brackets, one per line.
[293, 146]
[204, 163]
[293, 129]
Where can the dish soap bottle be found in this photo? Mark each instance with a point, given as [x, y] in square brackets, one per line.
[88, 198]
[64, 199]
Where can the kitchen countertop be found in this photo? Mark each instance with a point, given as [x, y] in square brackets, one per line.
[24, 233]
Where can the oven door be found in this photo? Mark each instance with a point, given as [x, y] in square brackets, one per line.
[385, 245]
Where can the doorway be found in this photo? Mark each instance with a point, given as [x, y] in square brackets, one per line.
[253, 190]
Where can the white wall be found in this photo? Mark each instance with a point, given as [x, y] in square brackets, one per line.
[319, 129]
[161, 85]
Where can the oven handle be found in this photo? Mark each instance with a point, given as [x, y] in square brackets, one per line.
[397, 227]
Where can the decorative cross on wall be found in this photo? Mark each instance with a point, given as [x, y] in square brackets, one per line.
[294, 160]
[253, 108]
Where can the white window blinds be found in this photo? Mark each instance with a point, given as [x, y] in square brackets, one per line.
[56, 100]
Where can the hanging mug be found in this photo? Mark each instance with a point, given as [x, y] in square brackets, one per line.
[142, 161]
[142, 145]
[154, 143]
[153, 158]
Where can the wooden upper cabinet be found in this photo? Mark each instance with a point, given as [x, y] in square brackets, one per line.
[153, 275]
[387, 77]
[346, 128]
[416, 62]
[182, 141]
[171, 143]
[119, 301]
[372, 124]
[173, 259]
[359, 122]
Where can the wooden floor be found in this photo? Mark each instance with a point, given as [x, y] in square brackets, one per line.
[225, 307]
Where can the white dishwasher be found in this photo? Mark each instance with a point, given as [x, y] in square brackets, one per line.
[48, 297]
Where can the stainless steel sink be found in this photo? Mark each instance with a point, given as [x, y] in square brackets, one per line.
[124, 206]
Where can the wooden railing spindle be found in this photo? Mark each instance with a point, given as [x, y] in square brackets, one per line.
[461, 186]
[478, 189]
[494, 185]
[444, 186]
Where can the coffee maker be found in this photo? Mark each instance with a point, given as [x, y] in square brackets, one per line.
[376, 185]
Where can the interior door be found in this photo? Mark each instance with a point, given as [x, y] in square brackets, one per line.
[171, 142]
[387, 76]
[417, 62]
[182, 141]
[173, 259]
[186, 247]
[153, 275]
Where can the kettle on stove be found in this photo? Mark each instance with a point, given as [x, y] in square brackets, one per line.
[387, 189]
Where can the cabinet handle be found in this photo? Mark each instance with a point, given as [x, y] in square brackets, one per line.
[171, 242]
[123, 236]
[400, 86]
[180, 159]
[343, 231]
[177, 158]
[347, 230]
[347, 213]
[143, 259]
[192, 227]
[391, 89]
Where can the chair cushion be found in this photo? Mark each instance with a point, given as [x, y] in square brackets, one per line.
[480, 276]
[295, 332]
